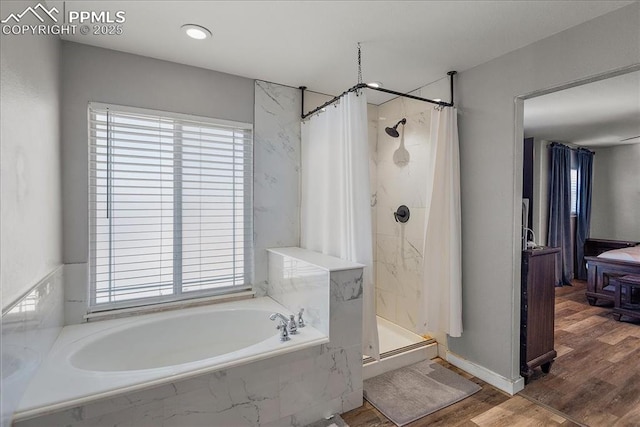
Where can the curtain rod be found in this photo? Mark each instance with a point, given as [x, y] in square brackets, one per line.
[553, 144]
[379, 89]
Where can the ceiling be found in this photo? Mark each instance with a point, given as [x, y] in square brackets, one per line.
[598, 114]
[405, 44]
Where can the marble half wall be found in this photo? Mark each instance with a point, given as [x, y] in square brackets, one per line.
[29, 329]
[276, 201]
[297, 284]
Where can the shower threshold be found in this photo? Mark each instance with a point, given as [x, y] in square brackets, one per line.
[399, 347]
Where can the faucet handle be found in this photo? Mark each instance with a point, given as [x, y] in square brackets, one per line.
[284, 334]
[291, 325]
[300, 319]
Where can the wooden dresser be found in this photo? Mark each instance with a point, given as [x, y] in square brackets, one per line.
[537, 307]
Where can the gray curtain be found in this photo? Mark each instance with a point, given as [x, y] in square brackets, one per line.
[583, 220]
[559, 234]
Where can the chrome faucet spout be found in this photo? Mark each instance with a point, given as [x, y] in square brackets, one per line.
[282, 327]
[275, 316]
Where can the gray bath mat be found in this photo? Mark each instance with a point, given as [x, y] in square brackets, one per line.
[412, 392]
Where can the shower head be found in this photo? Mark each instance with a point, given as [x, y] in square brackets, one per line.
[393, 132]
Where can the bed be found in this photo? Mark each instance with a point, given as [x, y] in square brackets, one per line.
[606, 260]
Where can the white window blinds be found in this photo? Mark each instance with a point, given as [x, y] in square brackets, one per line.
[574, 191]
[170, 213]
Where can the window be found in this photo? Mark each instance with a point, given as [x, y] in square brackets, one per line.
[574, 191]
[170, 212]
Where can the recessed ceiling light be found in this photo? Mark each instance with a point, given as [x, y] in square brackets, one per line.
[374, 84]
[438, 100]
[197, 32]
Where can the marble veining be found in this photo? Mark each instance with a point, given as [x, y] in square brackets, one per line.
[346, 288]
[276, 173]
[400, 179]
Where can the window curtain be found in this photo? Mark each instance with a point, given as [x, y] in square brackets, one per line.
[583, 220]
[441, 297]
[559, 234]
[335, 199]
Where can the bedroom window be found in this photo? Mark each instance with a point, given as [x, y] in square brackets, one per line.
[170, 213]
[574, 191]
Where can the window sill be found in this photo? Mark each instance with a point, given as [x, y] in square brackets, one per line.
[166, 306]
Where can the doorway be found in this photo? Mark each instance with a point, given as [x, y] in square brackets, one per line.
[597, 360]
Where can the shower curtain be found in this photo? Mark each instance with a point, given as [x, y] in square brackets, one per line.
[335, 207]
[441, 298]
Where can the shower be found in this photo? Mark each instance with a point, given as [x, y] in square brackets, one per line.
[393, 131]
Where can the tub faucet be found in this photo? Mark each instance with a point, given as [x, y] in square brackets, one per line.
[283, 327]
[300, 319]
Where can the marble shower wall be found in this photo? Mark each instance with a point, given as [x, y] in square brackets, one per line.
[276, 202]
[400, 180]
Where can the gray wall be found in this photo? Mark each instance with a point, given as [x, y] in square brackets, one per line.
[31, 214]
[615, 212]
[30, 236]
[102, 75]
[491, 171]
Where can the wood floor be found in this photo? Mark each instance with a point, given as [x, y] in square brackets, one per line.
[488, 407]
[596, 376]
[595, 380]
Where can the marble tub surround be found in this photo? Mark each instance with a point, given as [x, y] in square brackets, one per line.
[292, 389]
[276, 199]
[321, 284]
[76, 277]
[29, 330]
[295, 389]
[401, 179]
[297, 284]
[105, 359]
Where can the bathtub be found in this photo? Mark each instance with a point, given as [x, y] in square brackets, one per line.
[107, 358]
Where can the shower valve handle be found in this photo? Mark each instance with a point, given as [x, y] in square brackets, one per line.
[402, 214]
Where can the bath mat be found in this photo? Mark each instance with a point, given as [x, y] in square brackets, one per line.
[412, 392]
[334, 421]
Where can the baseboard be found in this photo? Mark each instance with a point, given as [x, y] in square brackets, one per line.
[508, 386]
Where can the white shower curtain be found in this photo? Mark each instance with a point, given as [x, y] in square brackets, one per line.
[336, 210]
[441, 298]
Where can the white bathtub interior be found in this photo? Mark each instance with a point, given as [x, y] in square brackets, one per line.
[218, 332]
[103, 359]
